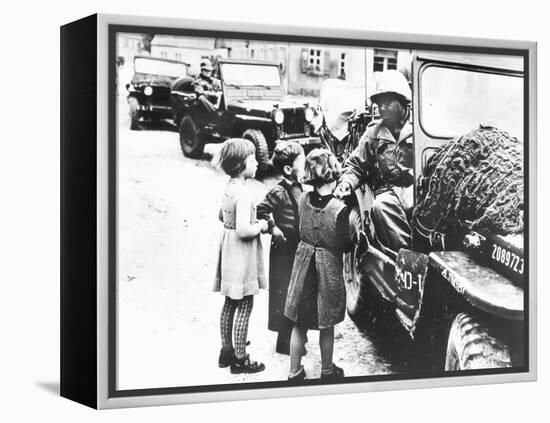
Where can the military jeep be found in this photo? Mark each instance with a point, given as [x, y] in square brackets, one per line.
[459, 296]
[149, 89]
[251, 105]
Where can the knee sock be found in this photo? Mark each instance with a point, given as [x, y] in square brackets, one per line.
[226, 323]
[240, 328]
[296, 349]
[326, 342]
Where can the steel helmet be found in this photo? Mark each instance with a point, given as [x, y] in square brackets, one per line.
[394, 82]
[206, 64]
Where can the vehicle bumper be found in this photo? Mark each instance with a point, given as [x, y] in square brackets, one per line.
[150, 111]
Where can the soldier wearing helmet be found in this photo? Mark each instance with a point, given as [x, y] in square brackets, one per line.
[207, 87]
[383, 159]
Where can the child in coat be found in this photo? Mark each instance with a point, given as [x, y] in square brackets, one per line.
[316, 296]
[280, 208]
[240, 267]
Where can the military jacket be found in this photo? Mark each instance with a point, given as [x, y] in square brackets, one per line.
[207, 86]
[380, 159]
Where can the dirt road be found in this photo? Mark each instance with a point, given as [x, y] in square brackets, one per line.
[168, 316]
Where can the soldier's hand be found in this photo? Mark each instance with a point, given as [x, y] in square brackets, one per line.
[342, 190]
[277, 237]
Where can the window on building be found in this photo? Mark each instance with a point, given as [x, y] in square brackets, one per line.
[164, 55]
[384, 60]
[282, 59]
[315, 60]
[252, 53]
[178, 56]
[342, 68]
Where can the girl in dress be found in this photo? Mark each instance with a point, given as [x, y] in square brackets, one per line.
[316, 296]
[240, 269]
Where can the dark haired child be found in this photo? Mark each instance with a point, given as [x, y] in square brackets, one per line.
[316, 296]
[280, 208]
[240, 267]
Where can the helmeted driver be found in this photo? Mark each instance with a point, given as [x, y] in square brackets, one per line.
[207, 87]
[384, 160]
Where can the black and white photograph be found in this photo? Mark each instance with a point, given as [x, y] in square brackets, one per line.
[303, 213]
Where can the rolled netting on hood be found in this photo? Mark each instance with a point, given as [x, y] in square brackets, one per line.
[477, 180]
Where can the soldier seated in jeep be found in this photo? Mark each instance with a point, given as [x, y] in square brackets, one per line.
[384, 159]
[207, 87]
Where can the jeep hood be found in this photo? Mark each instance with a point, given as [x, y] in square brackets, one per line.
[247, 106]
[155, 80]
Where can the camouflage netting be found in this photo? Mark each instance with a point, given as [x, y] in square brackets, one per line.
[476, 180]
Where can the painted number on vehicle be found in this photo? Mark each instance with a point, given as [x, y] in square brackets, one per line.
[408, 280]
[507, 258]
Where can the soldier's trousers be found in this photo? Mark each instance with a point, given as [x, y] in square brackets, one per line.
[209, 107]
[391, 213]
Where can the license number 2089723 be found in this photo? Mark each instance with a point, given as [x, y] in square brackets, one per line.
[507, 258]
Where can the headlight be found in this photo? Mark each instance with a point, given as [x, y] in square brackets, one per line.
[148, 90]
[278, 116]
[309, 114]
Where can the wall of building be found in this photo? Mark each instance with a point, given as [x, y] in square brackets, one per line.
[310, 65]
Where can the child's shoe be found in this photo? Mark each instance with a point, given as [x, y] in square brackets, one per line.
[337, 372]
[226, 358]
[246, 365]
[301, 375]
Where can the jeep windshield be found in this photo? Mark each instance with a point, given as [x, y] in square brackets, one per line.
[236, 74]
[159, 67]
[454, 101]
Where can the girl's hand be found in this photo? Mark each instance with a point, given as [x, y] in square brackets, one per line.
[264, 227]
[277, 237]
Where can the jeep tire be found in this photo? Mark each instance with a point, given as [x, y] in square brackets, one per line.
[190, 142]
[360, 302]
[133, 111]
[470, 346]
[262, 151]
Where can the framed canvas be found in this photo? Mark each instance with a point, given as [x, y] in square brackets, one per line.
[253, 211]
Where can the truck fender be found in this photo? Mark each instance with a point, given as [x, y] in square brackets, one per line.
[480, 285]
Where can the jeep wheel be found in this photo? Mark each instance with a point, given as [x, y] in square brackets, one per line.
[262, 151]
[191, 144]
[133, 105]
[359, 299]
[471, 347]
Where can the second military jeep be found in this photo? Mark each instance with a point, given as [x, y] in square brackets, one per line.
[250, 105]
[149, 89]
[458, 295]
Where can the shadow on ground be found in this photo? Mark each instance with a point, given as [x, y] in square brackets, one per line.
[51, 387]
[394, 344]
[163, 125]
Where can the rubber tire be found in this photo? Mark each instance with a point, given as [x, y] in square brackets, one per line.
[190, 142]
[471, 347]
[134, 114]
[262, 150]
[360, 296]
[183, 82]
